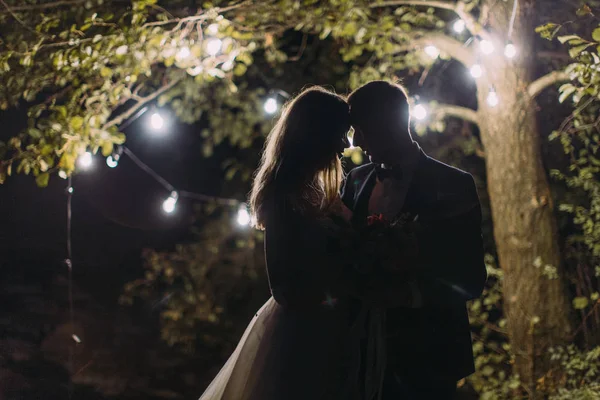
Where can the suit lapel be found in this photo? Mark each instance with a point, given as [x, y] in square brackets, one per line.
[363, 194]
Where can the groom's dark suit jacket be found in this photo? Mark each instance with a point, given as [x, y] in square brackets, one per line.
[434, 339]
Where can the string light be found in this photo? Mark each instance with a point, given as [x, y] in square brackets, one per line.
[169, 204]
[476, 71]
[459, 26]
[183, 53]
[86, 160]
[420, 112]
[492, 98]
[156, 121]
[486, 46]
[510, 50]
[112, 162]
[243, 216]
[213, 46]
[271, 105]
[432, 51]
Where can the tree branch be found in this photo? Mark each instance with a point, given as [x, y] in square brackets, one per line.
[471, 22]
[45, 6]
[141, 102]
[447, 110]
[537, 86]
[446, 44]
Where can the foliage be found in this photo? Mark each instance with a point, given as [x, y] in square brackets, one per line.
[202, 286]
[579, 136]
[573, 373]
[493, 378]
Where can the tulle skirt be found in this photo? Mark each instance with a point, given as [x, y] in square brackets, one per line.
[286, 355]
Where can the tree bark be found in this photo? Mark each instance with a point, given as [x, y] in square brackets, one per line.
[525, 230]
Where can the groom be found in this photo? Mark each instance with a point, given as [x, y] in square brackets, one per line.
[428, 336]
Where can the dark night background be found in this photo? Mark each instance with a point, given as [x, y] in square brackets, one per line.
[116, 214]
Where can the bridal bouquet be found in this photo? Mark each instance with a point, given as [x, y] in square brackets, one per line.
[387, 246]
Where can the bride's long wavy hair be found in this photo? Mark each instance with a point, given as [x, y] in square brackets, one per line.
[300, 165]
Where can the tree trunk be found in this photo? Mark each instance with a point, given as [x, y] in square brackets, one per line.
[535, 295]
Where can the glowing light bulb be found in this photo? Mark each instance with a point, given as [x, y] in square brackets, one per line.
[420, 112]
[432, 51]
[86, 160]
[212, 29]
[492, 98]
[271, 105]
[112, 162]
[213, 46]
[459, 26]
[486, 47]
[243, 216]
[476, 71]
[183, 53]
[156, 121]
[510, 50]
[169, 204]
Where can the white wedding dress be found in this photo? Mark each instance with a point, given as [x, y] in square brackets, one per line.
[294, 347]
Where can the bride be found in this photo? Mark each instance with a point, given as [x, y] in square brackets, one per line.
[295, 346]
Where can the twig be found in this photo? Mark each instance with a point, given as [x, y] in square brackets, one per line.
[12, 13]
[46, 5]
[142, 101]
[301, 50]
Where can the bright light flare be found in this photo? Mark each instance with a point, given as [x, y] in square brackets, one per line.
[271, 105]
[493, 100]
[86, 160]
[169, 204]
[212, 29]
[510, 51]
[213, 46]
[157, 121]
[183, 53]
[432, 51]
[486, 46]
[476, 71]
[420, 112]
[459, 26]
[243, 216]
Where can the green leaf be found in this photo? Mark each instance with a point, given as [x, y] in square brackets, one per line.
[580, 303]
[107, 148]
[105, 72]
[567, 38]
[575, 51]
[42, 179]
[76, 123]
[596, 35]
[565, 91]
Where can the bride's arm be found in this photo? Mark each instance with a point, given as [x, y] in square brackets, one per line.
[301, 265]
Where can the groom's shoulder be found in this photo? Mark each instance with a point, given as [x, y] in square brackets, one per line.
[444, 172]
[449, 179]
[360, 171]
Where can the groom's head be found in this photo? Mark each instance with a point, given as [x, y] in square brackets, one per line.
[380, 115]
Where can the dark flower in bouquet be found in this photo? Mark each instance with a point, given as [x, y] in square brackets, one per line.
[387, 246]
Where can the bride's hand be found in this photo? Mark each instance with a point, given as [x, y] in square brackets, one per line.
[340, 209]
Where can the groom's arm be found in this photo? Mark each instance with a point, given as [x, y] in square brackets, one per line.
[454, 269]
